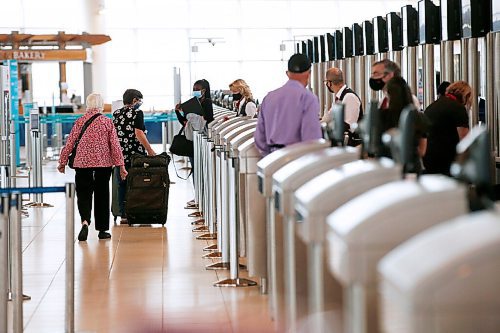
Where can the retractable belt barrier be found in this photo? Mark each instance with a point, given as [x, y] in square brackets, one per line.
[10, 228]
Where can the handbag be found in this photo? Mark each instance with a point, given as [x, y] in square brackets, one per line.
[71, 157]
[181, 146]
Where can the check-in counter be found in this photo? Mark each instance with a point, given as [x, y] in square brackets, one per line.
[285, 182]
[232, 167]
[314, 201]
[220, 189]
[232, 140]
[248, 156]
[267, 166]
[366, 228]
[445, 279]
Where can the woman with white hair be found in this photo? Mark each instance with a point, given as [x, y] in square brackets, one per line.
[97, 151]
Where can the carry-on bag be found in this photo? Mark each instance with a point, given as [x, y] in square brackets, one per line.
[148, 185]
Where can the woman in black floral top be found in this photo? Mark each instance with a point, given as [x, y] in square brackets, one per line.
[129, 124]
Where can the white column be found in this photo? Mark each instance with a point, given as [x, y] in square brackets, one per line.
[96, 24]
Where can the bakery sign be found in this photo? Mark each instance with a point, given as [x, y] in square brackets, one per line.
[44, 55]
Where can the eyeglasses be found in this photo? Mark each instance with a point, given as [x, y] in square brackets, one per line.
[326, 81]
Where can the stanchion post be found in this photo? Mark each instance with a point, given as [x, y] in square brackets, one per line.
[164, 135]
[4, 261]
[70, 258]
[17, 261]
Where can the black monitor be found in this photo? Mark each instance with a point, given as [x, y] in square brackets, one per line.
[474, 14]
[429, 22]
[310, 50]
[297, 48]
[406, 141]
[409, 16]
[323, 50]
[380, 34]
[394, 31]
[304, 48]
[368, 43]
[339, 47]
[64, 109]
[370, 130]
[495, 16]
[316, 50]
[337, 125]
[347, 36]
[473, 165]
[451, 19]
[357, 38]
[331, 46]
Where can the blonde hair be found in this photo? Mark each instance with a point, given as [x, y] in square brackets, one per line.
[94, 101]
[243, 87]
[462, 91]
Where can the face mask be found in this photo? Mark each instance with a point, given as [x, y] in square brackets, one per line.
[236, 97]
[137, 105]
[197, 93]
[376, 84]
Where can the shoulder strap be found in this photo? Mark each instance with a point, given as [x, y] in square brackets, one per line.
[348, 90]
[84, 128]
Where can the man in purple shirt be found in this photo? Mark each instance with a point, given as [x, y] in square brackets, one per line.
[289, 114]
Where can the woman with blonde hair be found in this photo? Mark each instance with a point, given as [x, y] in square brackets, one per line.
[243, 99]
[94, 147]
[449, 123]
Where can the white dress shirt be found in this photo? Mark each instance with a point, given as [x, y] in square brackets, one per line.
[351, 107]
[250, 110]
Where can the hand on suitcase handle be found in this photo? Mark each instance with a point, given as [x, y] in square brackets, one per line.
[123, 172]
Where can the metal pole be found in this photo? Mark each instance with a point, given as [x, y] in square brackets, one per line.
[164, 135]
[497, 91]
[491, 121]
[359, 84]
[27, 146]
[13, 152]
[17, 261]
[70, 258]
[428, 74]
[412, 69]
[464, 63]
[4, 261]
[4, 87]
[474, 81]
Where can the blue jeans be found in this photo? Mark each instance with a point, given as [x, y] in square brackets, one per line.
[122, 192]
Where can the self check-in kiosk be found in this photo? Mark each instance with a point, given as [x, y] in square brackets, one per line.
[444, 279]
[363, 230]
[266, 167]
[314, 201]
[285, 182]
[231, 204]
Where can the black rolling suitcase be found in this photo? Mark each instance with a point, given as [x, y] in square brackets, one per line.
[147, 189]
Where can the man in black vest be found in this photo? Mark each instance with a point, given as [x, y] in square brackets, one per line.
[353, 110]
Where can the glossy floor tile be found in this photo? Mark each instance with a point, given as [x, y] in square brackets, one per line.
[144, 279]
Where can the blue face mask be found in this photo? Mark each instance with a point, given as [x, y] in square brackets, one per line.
[137, 105]
[197, 93]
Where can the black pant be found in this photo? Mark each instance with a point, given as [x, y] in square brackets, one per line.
[93, 181]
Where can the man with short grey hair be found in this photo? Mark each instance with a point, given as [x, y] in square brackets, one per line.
[382, 72]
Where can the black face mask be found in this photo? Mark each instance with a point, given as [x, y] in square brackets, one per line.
[376, 84]
[236, 97]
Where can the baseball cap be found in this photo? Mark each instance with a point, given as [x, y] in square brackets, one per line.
[298, 63]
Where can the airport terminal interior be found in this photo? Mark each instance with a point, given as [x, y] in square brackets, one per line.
[250, 166]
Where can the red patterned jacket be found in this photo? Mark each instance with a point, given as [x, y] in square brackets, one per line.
[99, 146]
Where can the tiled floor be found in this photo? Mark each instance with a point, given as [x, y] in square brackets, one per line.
[145, 279]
